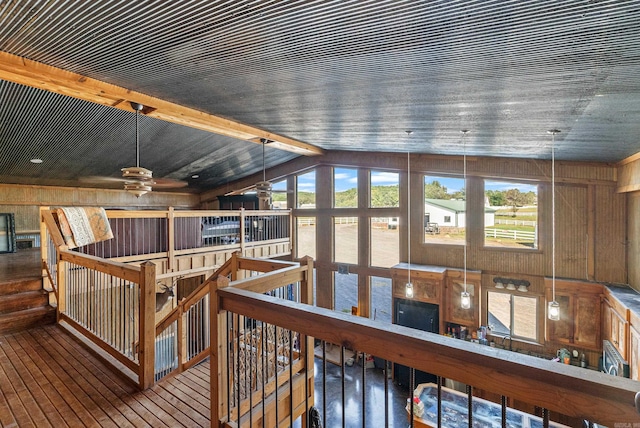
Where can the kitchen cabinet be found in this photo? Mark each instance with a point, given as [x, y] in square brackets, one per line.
[427, 282]
[453, 288]
[580, 311]
[634, 351]
[615, 323]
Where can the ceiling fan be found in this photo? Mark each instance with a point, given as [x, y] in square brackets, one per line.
[263, 189]
[138, 180]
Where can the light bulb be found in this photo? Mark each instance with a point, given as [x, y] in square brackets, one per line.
[499, 284]
[465, 300]
[408, 290]
[554, 311]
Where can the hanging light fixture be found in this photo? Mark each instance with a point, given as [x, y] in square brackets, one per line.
[465, 297]
[554, 307]
[408, 288]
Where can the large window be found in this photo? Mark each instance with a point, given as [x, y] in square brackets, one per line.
[444, 210]
[279, 195]
[345, 292]
[384, 191]
[345, 240]
[345, 188]
[306, 237]
[306, 190]
[385, 242]
[380, 299]
[513, 315]
[511, 214]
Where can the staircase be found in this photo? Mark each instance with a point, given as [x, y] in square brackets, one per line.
[24, 304]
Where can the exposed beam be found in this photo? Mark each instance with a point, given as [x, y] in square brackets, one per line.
[38, 75]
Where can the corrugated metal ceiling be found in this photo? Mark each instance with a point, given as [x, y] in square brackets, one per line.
[342, 75]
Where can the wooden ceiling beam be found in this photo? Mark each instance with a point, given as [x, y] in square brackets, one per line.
[38, 75]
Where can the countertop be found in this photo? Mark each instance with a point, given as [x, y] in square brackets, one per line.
[626, 295]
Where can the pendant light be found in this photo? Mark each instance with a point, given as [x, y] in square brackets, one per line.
[465, 297]
[554, 307]
[408, 288]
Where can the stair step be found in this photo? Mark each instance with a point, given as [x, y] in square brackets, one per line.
[25, 319]
[25, 300]
[20, 285]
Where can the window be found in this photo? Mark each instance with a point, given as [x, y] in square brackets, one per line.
[306, 237]
[513, 315]
[306, 190]
[380, 299]
[444, 210]
[345, 295]
[510, 214]
[385, 242]
[345, 240]
[384, 191]
[345, 188]
[279, 195]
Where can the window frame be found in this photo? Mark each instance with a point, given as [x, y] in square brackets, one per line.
[539, 316]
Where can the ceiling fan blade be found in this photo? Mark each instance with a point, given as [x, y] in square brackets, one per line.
[241, 191]
[102, 179]
[168, 183]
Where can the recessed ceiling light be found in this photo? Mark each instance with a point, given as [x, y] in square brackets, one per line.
[36, 160]
[194, 176]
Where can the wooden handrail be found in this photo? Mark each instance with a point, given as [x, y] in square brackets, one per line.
[569, 390]
[121, 270]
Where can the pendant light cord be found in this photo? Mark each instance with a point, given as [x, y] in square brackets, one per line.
[137, 140]
[553, 215]
[409, 215]
[464, 176]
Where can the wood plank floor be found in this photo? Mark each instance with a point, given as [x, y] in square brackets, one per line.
[47, 379]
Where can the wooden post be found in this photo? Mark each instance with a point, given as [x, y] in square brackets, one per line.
[306, 342]
[171, 240]
[243, 236]
[217, 367]
[182, 339]
[147, 332]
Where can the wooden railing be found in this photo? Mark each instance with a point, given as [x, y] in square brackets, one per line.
[260, 366]
[568, 390]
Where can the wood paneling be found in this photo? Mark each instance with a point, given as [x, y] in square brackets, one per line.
[611, 236]
[633, 243]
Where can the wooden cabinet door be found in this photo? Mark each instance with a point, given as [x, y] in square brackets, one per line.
[634, 353]
[586, 327]
[455, 314]
[618, 333]
[561, 331]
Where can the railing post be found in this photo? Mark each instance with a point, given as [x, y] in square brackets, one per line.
[216, 363]
[306, 342]
[171, 239]
[62, 286]
[147, 333]
[182, 338]
[243, 235]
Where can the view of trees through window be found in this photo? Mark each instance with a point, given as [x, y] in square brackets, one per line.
[306, 190]
[511, 214]
[444, 210]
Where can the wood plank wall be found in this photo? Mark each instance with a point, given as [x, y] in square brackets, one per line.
[629, 185]
[24, 200]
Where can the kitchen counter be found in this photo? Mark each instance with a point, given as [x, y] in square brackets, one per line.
[486, 414]
[626, 295]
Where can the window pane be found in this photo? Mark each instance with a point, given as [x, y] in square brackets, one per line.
[381, 299]
[444, 210]
[345, 240]
[345, 292]
[385, 242]
[279, 195]
[525, 311]
[345, 188]
[511, 214]
[384, 189]
[306, 237]
[306, 190]
[499, 312]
